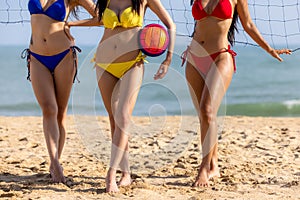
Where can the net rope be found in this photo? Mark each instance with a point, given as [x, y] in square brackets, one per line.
[277, 20]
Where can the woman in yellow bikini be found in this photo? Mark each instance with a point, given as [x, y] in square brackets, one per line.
[120, 69]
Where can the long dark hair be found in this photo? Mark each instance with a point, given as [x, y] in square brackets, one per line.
[233, 28]
[102, 4]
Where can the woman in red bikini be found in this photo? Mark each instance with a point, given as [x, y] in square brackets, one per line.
[210, 68]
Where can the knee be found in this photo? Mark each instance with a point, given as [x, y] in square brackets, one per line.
[112, 122]
[61, 116]
[122, 120]
[207, 113]
[49, 110]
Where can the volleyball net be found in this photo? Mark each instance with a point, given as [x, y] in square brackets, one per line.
[277, 20]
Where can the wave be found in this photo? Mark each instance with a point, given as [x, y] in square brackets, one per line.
[290, 108]
[22, 109]
[292, 103]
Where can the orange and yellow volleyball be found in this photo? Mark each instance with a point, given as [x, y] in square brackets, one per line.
[153, 40]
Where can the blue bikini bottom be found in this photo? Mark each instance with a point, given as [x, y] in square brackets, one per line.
[51, 62]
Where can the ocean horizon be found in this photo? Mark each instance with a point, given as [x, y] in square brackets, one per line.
[261, 86]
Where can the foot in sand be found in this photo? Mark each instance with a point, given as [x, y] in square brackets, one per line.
[56, 173]
[214, 170]
[125, 179]
[110, 181]
[203, 177]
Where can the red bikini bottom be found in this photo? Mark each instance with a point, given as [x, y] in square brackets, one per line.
[204, 63]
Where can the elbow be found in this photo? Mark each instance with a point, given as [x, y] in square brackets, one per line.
[170, 25]
[248, 27]
[173, 26]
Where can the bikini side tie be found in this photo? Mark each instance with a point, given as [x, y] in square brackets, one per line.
[26, 55]
[74, 53]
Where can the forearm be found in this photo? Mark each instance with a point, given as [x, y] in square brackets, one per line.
[85, 22]
[172, 34]
[256, 36]
[253, 32]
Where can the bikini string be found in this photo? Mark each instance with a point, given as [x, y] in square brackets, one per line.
[233, 54]
[184, 55]
[74, 53]
[26, 55]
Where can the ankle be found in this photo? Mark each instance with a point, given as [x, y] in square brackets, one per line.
[112, 172]
[126, 174]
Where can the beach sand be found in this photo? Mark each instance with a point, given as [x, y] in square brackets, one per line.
[259, 158]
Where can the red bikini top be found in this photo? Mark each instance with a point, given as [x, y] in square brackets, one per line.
[222, 11]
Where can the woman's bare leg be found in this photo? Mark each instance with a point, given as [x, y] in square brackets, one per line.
[63, 79]
[127, 93]
[44, 89]
[196, 84]
[217, 82]
[214, 168]
[108, 86]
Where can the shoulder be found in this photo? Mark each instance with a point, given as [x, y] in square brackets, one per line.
[152, 2]
[241, 2]
[234, 2]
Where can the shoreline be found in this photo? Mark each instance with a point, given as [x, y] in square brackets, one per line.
[259, 158]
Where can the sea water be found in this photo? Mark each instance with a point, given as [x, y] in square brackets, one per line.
[261, 86]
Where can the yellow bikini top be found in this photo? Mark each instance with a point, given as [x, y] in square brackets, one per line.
[128, 18]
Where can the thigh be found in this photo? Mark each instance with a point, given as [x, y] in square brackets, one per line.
[42, 83]
[129, 88]
[195, 83]
[217, 81]
[63, 80]
[108, 86]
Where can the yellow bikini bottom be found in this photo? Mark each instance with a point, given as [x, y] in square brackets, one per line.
[119, 69]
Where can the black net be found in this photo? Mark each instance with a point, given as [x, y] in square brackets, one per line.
[277, 20]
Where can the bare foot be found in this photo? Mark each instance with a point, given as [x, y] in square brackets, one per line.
[110, 181]
[56, 173]
[214, 170]
[202, 178]
[214, 173]
[125, 179]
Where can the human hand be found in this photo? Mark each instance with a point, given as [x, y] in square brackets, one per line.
[68, 33]
[276, 52]
[284, 51]
[162, 70]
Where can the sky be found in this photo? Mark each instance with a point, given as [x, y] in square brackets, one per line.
[19, 33]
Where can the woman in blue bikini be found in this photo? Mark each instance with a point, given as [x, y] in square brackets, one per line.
[52, 68]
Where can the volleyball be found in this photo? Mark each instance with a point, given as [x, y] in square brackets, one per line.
[153, 40]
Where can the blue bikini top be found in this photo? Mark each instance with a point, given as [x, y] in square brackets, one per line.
[56, 11]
